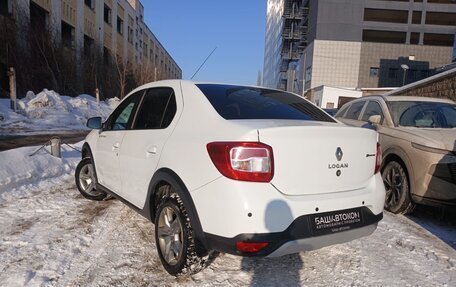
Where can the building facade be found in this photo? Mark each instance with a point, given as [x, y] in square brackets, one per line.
[360, 43]
[114, 29]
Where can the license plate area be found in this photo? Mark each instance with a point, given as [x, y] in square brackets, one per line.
[336, 221]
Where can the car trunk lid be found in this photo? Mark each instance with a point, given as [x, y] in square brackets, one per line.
[314, 159]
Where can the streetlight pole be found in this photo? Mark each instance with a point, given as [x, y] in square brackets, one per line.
[404, 68]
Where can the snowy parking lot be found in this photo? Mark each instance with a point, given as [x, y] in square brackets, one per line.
[52, 236]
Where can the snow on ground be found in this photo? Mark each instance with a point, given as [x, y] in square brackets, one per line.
[49, 110]
[51, 236]
[18, 167]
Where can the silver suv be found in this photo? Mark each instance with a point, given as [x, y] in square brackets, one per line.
[418, 140]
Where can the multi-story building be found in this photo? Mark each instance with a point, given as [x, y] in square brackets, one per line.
[115, 28]
[356, 43]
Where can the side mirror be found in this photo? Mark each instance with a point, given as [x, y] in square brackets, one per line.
[94, 123]
[374, 120]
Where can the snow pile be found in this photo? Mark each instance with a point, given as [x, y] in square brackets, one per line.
[49, 110]
[18, 168]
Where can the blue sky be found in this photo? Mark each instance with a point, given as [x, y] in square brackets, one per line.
[190, 30]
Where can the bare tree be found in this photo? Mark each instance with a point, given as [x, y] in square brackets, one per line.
[145, 73]
[122, 72]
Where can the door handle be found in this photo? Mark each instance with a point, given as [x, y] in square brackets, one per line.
[115, 146]
[102, 136]
[152, 150]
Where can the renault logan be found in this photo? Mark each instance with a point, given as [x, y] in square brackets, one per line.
[243, 170]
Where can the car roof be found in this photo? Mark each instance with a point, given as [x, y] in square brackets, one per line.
[417, 99]
[404, 99]
[167, 82]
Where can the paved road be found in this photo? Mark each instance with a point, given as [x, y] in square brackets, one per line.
[14, 141]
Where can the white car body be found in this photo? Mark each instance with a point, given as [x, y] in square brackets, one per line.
[224, 211]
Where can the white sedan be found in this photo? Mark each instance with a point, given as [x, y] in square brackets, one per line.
[244, 170]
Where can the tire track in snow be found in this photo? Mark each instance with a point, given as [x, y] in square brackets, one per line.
[52, 236]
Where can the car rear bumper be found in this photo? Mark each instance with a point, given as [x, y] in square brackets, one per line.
[228, 208]
[299, 236]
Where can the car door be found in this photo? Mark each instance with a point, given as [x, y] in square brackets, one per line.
[142, 146]
[110, 141]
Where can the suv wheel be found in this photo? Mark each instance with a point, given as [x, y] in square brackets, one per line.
[86, 180]
[397, 188]
[174, 238]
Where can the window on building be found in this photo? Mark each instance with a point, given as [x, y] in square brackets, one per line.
[106, 56]
[119, 26]
[441, 18]
[5, 7]
[392, 73]
[90, 3]
[130, 35]
[38, 19]
[414, 38]
[438, 39]
[442, 1]
[107, 14]
[308, 74]
[67, 35]
[425, 73]
[386, 15]
[412, 74]
[88, 45]
[384, 36]
[373, 71]
[416, 17]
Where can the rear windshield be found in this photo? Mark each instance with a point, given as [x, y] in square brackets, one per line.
[244, 103]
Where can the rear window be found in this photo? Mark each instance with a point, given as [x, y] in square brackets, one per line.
[243, 103]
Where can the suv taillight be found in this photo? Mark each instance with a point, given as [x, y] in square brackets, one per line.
[246, 161]
[378, 159]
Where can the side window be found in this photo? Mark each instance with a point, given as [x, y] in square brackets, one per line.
[121, 118]
[340, 113]
[157, 109]
[355, 110]
[372, 109]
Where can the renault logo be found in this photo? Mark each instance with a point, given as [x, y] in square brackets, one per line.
[339, 154]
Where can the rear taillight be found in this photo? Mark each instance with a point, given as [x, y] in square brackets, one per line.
[378, 159]
[250, 247]
[246, 161]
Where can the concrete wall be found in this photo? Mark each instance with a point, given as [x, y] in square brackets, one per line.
[324, 96]
[335, 63]
[272, 45]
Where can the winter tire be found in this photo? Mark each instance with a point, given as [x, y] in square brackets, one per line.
[86, 180]
[174, 238]
[397, 188]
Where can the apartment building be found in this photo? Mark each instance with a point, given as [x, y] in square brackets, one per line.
[356, 43]
[113, 28]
